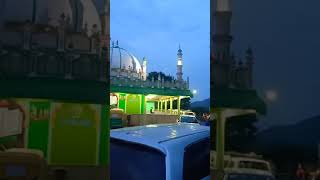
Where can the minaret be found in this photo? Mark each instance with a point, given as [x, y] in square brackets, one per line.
[105, 37]
[249, 64]
[34, 11]
[105, 18]
[179, 65]
[61, 33]
[241, 75]
[221, 42]
[144, 68]
[77, 14]
[27, 35]
[233, 75]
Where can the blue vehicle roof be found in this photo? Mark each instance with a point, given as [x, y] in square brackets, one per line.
[160, 136]
[171, 139]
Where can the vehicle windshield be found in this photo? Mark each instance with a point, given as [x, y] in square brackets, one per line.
[134, 161]
[189, 113]
[188, 119]
[249, 177]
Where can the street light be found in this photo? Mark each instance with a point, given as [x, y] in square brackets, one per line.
[194, 91]
[271, 95]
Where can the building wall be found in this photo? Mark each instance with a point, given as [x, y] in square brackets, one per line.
[150, 104]
[67, 133]
[132, 103]
[146, 119]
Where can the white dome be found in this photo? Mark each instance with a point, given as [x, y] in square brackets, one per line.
[91, 15]
[120, 56]
[50, 11]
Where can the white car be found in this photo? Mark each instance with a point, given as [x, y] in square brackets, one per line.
[238, 161]
[160, 152]
[188, 119]
[247, 174]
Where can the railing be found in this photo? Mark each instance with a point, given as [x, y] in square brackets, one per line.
[30, 50]
[135, 82]
[36, 63]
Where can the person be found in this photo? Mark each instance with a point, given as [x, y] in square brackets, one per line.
[206, 118]
[300, 173]
[151, 110]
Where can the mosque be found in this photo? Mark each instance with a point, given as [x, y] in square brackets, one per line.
[231, 75]
[229, 70]
[135, 93]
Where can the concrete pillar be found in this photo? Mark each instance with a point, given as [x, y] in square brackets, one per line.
[220, 142]
[158, 105]
[221, 117]
[165, 105]
[179, 104]
[171, 105]
[161, 105]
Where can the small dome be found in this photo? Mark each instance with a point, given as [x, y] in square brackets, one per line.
[121, 58]
[48, 12]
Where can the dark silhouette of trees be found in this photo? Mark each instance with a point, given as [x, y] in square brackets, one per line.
[155, 75]
[239, 131]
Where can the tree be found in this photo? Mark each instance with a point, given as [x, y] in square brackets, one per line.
[240, 130]
[185, 103]
[162, 75]
[200, 110]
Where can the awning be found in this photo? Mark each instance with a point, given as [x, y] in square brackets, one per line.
[223, 97]
[57, 89]
[148, 90]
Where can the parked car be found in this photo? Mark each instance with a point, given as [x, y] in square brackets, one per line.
[188, 119]
[244, 167]
[247, 174]
[243, 161]
[160, 152]
[188, 112]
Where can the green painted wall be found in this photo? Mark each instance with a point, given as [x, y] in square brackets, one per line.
[122, 101]
[74, 134]
[133, 104]
[38, 136]
[104, 136]
[38, 132]
[143, 104]
[150, 104]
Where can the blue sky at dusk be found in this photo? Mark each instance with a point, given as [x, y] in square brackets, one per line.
[285, 39]
[154, 29]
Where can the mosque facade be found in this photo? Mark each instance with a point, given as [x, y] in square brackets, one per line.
[136, 93]
[231, 79]
[228, 70]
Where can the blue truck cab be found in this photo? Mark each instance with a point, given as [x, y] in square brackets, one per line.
[160, 152]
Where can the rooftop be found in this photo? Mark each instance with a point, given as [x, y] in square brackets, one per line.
[156, 135]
